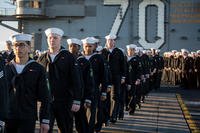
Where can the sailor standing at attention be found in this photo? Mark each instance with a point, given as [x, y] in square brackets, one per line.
[26, 85]
[99, 94]
[3, 96]
[115, 59]
[64, 83]
[86, 76]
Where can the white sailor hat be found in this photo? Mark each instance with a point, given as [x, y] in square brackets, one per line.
[95, 39]
[56, 31]
[174, 51]
[89, 40]
[74, 41]
[131, 46]
[148, 51]
[144, 51]
[152, 49]
[139, 49]
[99, 48]
[184, 51]
[198, 51]
[21, 37]
[157, 50]
[111, 36]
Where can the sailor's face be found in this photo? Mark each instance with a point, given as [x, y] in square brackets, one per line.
[88, 48]
[73, 48]
[54, 40]
[110, 43]
[131, 52]
[21, 49]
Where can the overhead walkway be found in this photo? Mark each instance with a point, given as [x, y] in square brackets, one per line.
[161, 113]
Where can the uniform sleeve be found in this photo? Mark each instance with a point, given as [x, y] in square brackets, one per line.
[139, 69]
[103, 78]
[88, 83]
[122, 64]
[44, 98]
[76, 81]
[3, 95]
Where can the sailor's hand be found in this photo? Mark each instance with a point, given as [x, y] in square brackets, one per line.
[128, 87]
[137, 82]
[2, 126]
[44, 128]
[123, 80]
[147, 75]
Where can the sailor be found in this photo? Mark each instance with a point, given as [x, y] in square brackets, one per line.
[123, 90]
[3, 97]
[74, 46]
[133, 77]
[27, 85]
[64, 83]
[96, 43]
[37, 53]
[188, 69]
[99, 95]
[193, 82]
[86, 76]
[8, 54]
[153, 69]
[106, 107]
[160, 66]
[145, 75]
[197, 68]
[115, 59]
[141, 87]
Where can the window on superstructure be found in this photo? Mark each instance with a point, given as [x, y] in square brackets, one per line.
[35, 4]
[29, 4]
[23, 4]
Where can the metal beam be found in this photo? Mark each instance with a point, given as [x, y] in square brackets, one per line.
[8, 18]
[9, 27]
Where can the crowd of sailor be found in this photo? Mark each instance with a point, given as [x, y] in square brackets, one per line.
[95, 84]
[182, 68]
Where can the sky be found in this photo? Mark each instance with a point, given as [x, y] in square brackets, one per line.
[6, 8]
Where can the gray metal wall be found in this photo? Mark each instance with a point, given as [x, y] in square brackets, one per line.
[97, 20]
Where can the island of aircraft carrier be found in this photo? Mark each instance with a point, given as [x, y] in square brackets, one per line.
[163, 24]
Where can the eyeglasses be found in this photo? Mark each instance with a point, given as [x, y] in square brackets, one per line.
[19, 45]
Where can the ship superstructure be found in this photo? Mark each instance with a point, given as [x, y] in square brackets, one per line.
[164, 24]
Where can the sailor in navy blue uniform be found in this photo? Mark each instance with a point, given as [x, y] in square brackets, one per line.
[133, 77]
[99, 95]
[115, 59]
[64, 83]
[86, 76]
[27, 85]
[8, 54]
[3, 96]
[74, 46]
